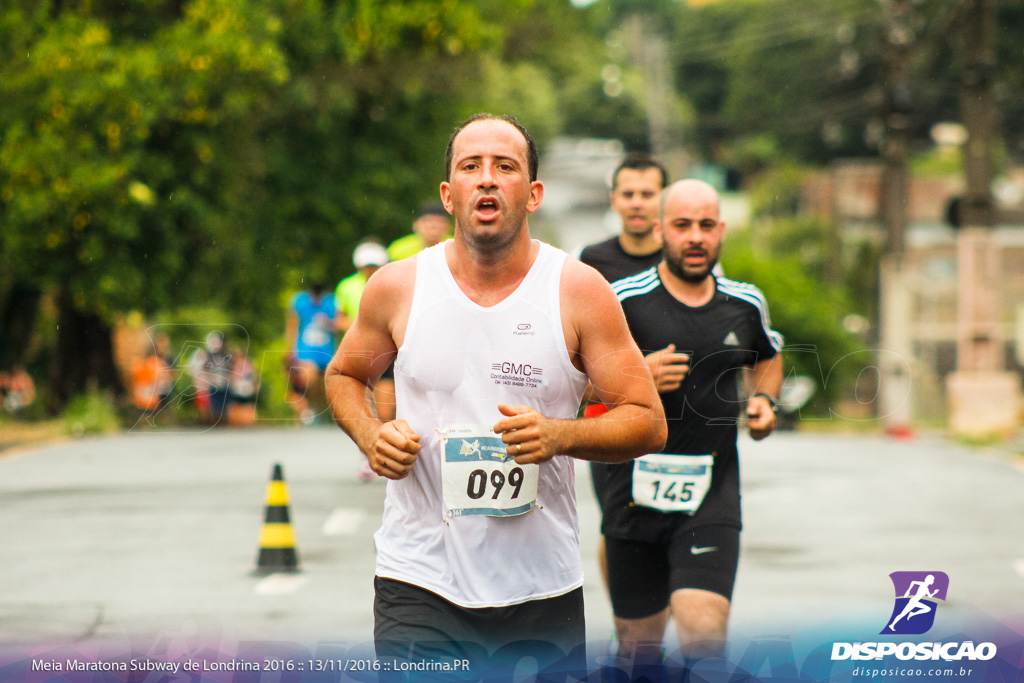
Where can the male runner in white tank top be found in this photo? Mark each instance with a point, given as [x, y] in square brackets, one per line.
[494, 336]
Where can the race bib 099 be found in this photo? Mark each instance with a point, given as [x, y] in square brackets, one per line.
[672, 483]
[479, 477]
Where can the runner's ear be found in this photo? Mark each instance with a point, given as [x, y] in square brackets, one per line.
[446, 197]
[536, 195]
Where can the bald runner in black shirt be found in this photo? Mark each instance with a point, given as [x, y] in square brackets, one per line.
[671, 520]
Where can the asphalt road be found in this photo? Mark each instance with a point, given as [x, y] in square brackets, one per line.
[155, 535]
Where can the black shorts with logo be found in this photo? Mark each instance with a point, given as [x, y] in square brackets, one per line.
[642, 576]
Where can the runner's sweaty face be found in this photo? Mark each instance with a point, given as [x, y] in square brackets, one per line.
[489, 191]
[431, 228]
[691, 231]
[635, 199]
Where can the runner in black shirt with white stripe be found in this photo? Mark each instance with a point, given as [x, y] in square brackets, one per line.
[671, 521]
[636, 184]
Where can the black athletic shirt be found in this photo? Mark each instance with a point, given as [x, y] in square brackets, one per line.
[729, 332]
[614, 262]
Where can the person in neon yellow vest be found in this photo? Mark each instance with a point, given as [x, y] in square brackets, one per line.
[368, 257]
[432, 225]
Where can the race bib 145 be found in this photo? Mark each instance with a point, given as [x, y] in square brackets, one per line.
[670, 482]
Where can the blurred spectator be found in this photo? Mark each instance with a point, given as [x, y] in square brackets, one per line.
[165, 381]
[153, 377]
[17, 390]
[243, 387]
[210, 368]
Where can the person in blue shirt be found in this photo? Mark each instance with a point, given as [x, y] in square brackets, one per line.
[311, 322]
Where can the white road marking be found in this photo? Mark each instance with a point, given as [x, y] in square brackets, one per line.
[343, 522]
[1019, 566]
[281, 584]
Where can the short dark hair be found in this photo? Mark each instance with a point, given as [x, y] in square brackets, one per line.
[640, 162]
[531, 147]
[432, 208]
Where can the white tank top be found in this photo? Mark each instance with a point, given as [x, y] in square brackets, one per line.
[458, 361]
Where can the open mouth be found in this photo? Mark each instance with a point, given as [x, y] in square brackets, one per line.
[487, 208]
[695, 256]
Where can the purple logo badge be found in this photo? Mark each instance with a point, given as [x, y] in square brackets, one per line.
[916, 596]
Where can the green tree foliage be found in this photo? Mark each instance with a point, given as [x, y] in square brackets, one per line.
[354, 140]
[166, 154]
[801, 72]
[116, 172]
[812, 284]
[811, 75]
[115, 168]
[808, 314]
[576, 51]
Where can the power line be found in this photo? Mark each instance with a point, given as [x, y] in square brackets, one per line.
[773, 36]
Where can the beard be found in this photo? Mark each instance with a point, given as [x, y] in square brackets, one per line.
[693, 275]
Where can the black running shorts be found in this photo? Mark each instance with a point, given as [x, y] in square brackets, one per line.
[413, 623]
[642, 576]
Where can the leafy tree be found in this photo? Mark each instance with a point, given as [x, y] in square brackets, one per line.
[810, 76]
[596, 92]
[112, 163]
[215, 154]
[805, 311]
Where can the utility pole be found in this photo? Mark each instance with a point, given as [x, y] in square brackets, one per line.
[983, 396]
[896, 356]
[899, 37]
[649, 51]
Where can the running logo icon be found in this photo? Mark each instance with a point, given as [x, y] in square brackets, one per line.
[470, 447]
[916, 596]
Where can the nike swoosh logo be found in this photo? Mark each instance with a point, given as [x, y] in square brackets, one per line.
[694, 550]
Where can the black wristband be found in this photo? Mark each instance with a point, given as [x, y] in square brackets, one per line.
[767, 397]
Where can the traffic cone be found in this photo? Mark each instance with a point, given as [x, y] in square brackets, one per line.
[277, 540]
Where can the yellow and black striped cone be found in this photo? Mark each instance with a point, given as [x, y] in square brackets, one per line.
[277, 540]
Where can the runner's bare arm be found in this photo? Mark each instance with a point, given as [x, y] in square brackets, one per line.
[291, 330]
[365, 352]
[668, 368]
[599, 344]
[766, 378]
